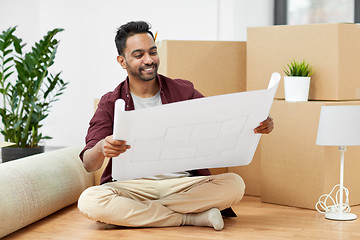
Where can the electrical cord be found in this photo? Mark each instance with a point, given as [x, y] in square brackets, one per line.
[322, 207]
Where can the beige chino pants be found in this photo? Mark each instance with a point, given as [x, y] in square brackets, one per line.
[159, 203]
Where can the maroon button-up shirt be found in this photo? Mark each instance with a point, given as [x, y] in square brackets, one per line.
[101, 125]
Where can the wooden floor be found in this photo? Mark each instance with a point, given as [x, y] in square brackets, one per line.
[256, 220]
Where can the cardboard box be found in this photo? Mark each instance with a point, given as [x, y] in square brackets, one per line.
[333, 50]
[215, 67]
[251, 174]
[215, 171]
[294, 170]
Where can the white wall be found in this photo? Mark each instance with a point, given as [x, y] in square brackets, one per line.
[87, 54]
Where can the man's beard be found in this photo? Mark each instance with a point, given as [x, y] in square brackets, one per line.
[141, 74]
[146, 77]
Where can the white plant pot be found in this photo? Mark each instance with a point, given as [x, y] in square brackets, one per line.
[296, 88]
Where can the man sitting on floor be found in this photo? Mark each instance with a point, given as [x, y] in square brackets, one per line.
[183, 198]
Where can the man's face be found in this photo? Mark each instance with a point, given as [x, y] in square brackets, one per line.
[140, 59]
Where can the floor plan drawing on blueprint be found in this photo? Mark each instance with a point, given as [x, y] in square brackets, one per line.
[208, 132]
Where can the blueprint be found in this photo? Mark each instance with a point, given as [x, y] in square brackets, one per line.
[201, 133]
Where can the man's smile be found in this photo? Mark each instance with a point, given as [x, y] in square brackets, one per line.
[149, 69]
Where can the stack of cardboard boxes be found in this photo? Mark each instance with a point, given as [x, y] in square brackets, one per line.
[294, 170]
[288, 167]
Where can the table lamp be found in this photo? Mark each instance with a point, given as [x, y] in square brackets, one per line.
[339, 126]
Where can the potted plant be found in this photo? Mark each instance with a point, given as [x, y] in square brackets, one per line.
[26, 97]
[297, 81]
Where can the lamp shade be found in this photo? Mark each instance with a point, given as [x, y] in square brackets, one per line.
[339, 126]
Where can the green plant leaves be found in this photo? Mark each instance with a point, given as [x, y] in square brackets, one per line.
[299, 69]
[27, 96]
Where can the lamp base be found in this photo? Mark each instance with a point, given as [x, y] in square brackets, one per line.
[340, 216]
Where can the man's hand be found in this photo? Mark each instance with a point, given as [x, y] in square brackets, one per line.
[94, 157]
[265, 127]
[112, 148]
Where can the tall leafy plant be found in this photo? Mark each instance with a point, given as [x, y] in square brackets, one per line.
[27, 88]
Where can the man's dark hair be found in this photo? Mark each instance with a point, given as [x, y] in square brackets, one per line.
[127, 30]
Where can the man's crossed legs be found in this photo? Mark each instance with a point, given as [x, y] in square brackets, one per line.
[162, 203]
